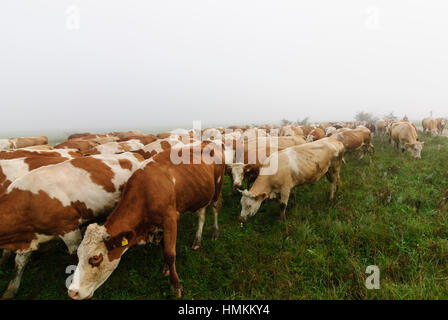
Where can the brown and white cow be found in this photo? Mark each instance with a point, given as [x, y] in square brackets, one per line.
[315, 135]
[355, 140]
[115, 147]
[250, 154]
[158, 146]
[16, 143]
[441, 124]
[290, 130]
[127, 134]
[78, 144]
[153, 200]
[53, 201]
[404, 136]
[25, 153]
[12, 169]
[146, 139]
[78, 135]
[429, 126]
[296, 165]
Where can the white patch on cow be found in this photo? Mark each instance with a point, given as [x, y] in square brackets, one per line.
[174, 180]
[5, 144]
[14, 168]
[88, 278]
[72, 240]
[34, 244]
[292, 157]
[219, 179]
[109, 148]
[68, 183]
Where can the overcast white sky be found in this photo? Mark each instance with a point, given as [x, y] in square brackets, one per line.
[147, 64]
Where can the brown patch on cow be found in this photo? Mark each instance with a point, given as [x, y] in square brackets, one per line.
[139, 157]
[100, 173]
[81, 145]
[125, 164]
[78, 135]
[125, 147]
[25, 214]
[2, 180]
[75, 154]
[37, 162]
[143, 139]
[7, 155]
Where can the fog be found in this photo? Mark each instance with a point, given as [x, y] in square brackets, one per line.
[86, 65]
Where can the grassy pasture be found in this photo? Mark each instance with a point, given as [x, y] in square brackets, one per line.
[391, 213]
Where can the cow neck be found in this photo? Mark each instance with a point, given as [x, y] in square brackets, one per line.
[261, 185]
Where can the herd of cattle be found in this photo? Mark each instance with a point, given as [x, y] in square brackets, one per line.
[54, 192]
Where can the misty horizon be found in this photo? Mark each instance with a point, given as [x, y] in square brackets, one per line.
[76, 66]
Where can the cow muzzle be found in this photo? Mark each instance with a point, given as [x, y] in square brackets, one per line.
[74, 294]
[242, 219]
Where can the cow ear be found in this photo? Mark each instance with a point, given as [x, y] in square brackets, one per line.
[122, 240]
[423, 142]
[261, 196]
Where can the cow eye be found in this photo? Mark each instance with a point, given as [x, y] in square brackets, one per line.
[95, 261]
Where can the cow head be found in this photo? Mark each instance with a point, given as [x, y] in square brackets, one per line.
[250, 203]
[95, 264]
[415, 148]
[237, 172]
[310, 138]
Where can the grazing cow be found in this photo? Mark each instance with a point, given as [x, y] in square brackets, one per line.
[152, 201]
[78, 135]
[115, 147]
[354, 140]
[53, 201]
[250, 154]
[23, 153]
[441, 124]
[429, 126]
[16, 143]
[13, 169]
[146, 139]
[100, 138]
[289, 130]
[381, 127]
[404, 136]
[315, 135]
[78, 144]
[296, 165]
[158, 146]
[38, 147]
[127, 134]
[5, 144]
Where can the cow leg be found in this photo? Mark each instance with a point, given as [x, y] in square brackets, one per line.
[5, 256]
[334, 179]
[21, 261]
[169, 253]
[216, 210]
[201, 220]
[284, 197]
[166, 267]
[72, 240]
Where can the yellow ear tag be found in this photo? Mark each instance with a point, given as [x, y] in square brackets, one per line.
[247, 170]
[124, 242]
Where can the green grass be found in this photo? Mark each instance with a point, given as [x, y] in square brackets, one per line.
[391, 213]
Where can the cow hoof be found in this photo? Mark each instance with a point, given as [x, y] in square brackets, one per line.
[215, 235]
[8, 294]
[166, 271]
[177, 292]
[195, 247]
